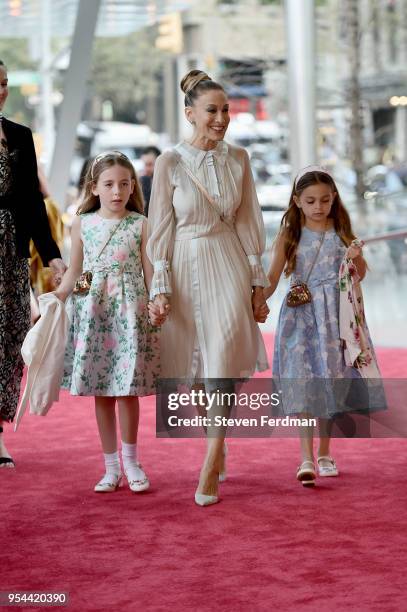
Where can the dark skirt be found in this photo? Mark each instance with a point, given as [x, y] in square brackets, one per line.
[14, 316]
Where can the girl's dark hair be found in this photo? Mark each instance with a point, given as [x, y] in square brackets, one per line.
[293, 219]
[2, 63]
[195, 83]
[91, 202]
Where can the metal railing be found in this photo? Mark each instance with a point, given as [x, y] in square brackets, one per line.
[398, 235]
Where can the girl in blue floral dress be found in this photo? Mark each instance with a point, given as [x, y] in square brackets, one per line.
[309, 362]
[112, 350]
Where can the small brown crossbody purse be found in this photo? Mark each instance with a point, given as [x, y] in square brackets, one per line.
[84, 282]
[299, 292]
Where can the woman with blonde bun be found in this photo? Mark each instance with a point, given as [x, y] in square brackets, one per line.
[206, 239]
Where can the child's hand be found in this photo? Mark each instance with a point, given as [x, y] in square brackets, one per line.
[58, 270]
[159, 309]
[259, 305]
[261, 314]
[154, 315]
[355, 249]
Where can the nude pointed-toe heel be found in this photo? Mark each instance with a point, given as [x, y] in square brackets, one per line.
[205, 500]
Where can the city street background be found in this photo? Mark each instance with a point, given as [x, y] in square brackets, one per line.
[114, 84]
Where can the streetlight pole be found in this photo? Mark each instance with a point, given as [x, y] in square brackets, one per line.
[47, 108]
[74, 94]
[300, 20]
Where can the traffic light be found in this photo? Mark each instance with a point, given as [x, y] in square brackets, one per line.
[170, 33]
[29, 89]
[14, 8]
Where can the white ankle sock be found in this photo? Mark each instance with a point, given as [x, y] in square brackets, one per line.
[112, 463]
[129, 455]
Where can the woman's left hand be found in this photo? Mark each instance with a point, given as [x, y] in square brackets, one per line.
[259, 305]
[58, 269]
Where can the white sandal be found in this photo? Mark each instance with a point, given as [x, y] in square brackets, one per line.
[306, 473]
[137, 479]
[109, 483]
[327, 470]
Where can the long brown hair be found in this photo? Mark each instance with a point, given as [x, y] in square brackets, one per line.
[293, 219]
[91, 202]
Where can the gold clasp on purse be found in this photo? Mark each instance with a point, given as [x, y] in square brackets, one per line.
[83, 284]
[298, 295]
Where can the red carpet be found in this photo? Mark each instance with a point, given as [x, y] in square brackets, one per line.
[270, 544]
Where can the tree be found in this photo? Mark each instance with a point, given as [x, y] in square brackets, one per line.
[354, 95]
[15, 55]
[124, 70]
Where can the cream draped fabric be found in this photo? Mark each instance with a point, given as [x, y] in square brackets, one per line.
[207, 259]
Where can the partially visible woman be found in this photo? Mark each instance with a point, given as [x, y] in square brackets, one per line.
[22, 216]
[206, 239]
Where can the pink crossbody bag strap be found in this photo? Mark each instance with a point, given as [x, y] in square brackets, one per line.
[202, 189]
[112, 233]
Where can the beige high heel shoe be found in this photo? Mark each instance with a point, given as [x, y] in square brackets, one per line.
[205, 500]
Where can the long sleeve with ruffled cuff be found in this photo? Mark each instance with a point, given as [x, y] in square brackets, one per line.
[161, 225]
[250, 227]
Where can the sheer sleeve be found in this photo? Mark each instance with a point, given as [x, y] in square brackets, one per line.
[250, 226]
[161, 224]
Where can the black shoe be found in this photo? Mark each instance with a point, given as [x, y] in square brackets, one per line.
[6, 462]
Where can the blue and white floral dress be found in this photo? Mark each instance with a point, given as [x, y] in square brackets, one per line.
[309, 365]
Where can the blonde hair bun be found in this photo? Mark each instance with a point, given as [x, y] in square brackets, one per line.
[192, 79]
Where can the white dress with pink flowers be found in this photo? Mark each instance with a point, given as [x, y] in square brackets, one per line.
[112, 349]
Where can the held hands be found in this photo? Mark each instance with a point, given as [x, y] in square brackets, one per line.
[58, 270]
[267, 292]
[259, 305]
[159, 309]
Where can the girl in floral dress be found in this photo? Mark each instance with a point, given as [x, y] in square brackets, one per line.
[113, 351]
[309, 354]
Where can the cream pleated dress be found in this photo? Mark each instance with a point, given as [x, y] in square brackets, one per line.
[208, 259]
